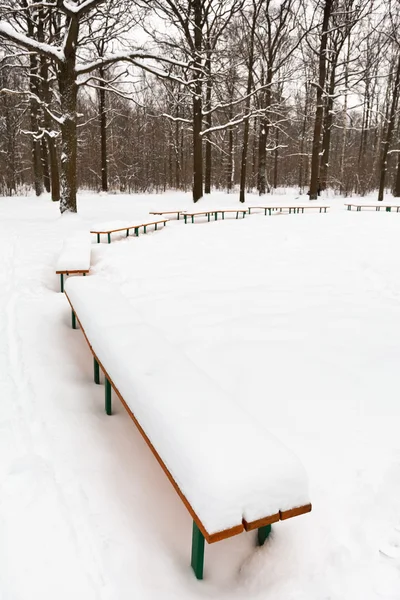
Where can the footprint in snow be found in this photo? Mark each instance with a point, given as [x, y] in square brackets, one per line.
[391, 549]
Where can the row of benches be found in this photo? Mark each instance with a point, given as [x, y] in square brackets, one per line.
[75, 256]
[267, 208]
[230, 473]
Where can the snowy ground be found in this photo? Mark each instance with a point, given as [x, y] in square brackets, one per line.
[297, 317]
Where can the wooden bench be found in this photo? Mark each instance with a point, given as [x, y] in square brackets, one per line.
[387, 207]
[168, 212]
[207, 213]
[295, 209]
[74, 258]
[230, 473]
[109, 228]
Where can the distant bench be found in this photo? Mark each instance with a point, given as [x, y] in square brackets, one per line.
[230, 473]
[74, 258]
[295, 209]
[115, 226]
[207, 213]
[167, 212]
[387, 207]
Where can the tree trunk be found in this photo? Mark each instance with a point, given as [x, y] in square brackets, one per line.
[243, 168]
[389, 132]
[326, 137]
[396, 191]
[50, 139]
[69, 141]
[45, 166]
[319, 112]
[303, 176]
[262, 142]
[103, 132]
[276, 157]
[197, 105]
[207, 178]
[37, 166]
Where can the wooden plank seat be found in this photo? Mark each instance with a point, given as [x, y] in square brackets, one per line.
[74, 258]
[230, 473]
[214, 212]
[295, 209]
[168, 212]
[116, 226]
[377, 206]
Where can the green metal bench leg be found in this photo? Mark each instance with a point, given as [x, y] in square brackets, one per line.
[62, 282]
[137, 231]
[73, 319]
[178, 216]
[98, 238]
[108, 396]
[109, 237]
[388, 209]
[262, 534]
[265, 212]
[127, 232]
[208, 217]
[185, 218]
[349, 207]
[155, 227]
[96, 371]
[197, 552]
[192, 218]
[216, 215]
[145, 228]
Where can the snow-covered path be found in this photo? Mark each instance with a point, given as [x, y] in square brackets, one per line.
[298, 318]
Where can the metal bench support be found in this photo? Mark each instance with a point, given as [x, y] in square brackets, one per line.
[96, 369]
[73, 319]
[262, 534]
[108, 396]
[197, 552]
[62, 282]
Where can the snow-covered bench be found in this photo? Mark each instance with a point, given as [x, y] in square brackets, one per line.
[115, 226]
[295, 208]
[74, 257]
[231, 474]
[167, 212]
[214, 212]
[377, 206]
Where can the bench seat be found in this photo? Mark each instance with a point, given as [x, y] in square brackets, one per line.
[291, 208]
[207, 213]
[74, 257]
[231, 474]
[116, 226]
[377, 206]
[168, 212]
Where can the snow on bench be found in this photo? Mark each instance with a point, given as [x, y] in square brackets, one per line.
[231, 474]
[378, 206]
[295, 208]
[178, 213]
[74, 256]
[207, 213]
[114, 226]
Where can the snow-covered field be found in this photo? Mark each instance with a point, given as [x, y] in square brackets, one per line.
[296, 317]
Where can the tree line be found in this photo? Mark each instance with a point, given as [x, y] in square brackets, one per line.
[150, 95]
